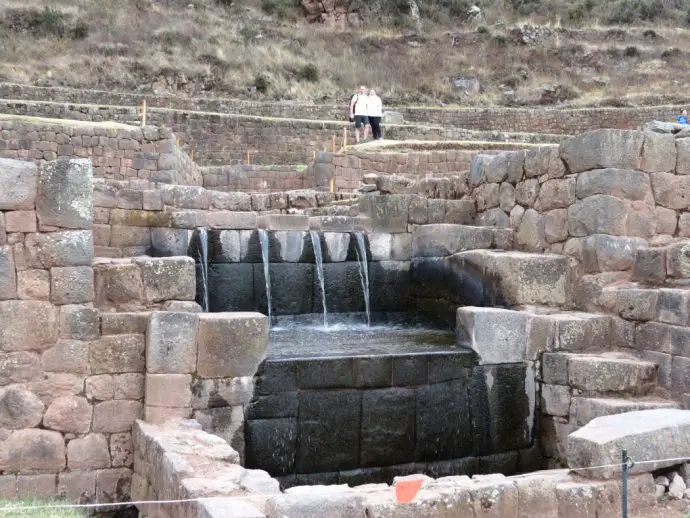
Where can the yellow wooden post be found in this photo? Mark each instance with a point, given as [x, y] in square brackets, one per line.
[143, 113]
[334, 143]
[248, 158]
[192, 155]
[313, 155]
[344, 138]
[331, 184]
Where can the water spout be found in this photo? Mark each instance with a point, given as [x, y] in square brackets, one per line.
[203, 261]
[263, 239]
[316, 243]
[363, 271]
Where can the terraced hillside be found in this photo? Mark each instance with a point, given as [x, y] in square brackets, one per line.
[521, 52]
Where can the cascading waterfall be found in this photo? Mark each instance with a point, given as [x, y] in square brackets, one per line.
[203, 261]
[316, 243]
[363, 271]
[263, 239]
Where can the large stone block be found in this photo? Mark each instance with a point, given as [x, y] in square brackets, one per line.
[521, 278]
[658, 153]
[598, 374]
[600, 149]
[598, 214]
[116, 416]
[18, 367]
[531, 234]
[167, 242]
[69, 414]
[8, 274]
[33, 451]
[231, 344]
[557, 194]
[169, 390]
[67, 356]
[497, 335]
[71, 284]
[442, 239]
[19, 408]
[620, 183]
[646, 435]
[117, 353]
[88, 452]
[79, 322]
[603, 253]
[33, 284]
[317, 502]
[18, 182]
[27, 325]
[65, 248]
[171, 342]
[388, 418]
[556, 225]
[678, 260]
[118, 284]
[671, 191]
[20, 221]
[387, 213]
[168, 278]
[65, 192]
[649, 265]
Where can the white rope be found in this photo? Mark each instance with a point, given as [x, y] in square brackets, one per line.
[209, 498]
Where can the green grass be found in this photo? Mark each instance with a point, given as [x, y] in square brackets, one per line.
[20, 509]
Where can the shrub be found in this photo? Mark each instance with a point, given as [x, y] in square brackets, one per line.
[499, 40]
[309, 72]
[248, 33]
[279, 8]
[628, 11]
[48, 22]
[631, 52]
[80, 31]
[262, 83]
[482, 29]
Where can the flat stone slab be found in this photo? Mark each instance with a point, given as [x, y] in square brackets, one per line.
[647, 435]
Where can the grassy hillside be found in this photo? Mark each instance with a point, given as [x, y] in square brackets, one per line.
[584, 51]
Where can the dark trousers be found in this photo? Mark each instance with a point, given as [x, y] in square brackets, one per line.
[375, 127]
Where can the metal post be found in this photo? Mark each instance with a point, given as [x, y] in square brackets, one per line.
[624, 483]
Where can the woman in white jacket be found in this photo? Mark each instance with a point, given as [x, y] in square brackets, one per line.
[374, 113]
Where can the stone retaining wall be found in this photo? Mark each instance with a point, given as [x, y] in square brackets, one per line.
[249, 178]
[116, 151]
[227, 138]
[170, 465]
[531, 120]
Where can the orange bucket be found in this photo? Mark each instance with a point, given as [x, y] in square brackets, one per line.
[406, 490]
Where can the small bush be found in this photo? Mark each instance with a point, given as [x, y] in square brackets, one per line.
[248, 33]
[279, 8]
[499, 40]
[49, 22]
[80, 31]
[482, 29]
[629, 11]
[262, 83]
[631, 52]
[309, 72]
[579, 11]
[673, 52]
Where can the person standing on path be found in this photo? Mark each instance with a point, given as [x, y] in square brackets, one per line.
[374, 113]
[683, 117]
[358, 112]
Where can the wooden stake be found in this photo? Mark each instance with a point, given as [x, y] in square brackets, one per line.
[313, 155]
[331, 184]
[344, 138]
[248, 158]
[143, 113]
[192, 155]
[334, 143]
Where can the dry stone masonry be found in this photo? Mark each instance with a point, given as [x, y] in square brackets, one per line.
[562, 269]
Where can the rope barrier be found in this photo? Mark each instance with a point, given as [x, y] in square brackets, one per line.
[210, 498]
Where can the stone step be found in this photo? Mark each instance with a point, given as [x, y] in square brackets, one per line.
[642, 303]
[655, 265]
[445, 239]
[584, 409]
[521, 278]
[610, 373]
[501, 335]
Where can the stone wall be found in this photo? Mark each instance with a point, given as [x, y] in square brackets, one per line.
[227, 138]
[116, 151]
[348, 169]
[531, 120]
[72, 385]
[252, 178]
[170, 466]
